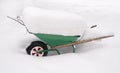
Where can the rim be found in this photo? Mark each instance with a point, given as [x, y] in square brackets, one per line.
[35, 53]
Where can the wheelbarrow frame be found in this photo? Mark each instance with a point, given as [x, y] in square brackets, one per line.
[58, 41]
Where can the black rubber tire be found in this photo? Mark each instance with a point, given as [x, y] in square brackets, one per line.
[34, 44]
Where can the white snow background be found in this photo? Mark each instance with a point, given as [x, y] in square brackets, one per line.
[94, 57]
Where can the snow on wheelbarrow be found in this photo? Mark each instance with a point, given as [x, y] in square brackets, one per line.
[56, 29]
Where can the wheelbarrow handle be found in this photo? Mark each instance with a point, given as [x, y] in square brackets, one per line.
[21, 22]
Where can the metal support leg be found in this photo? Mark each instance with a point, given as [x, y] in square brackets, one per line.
[57, 51]
[74, 47]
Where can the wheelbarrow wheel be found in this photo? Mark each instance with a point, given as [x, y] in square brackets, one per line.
[36, 46]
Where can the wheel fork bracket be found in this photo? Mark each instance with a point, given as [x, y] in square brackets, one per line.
[49, 50]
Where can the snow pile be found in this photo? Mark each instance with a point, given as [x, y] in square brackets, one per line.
[39, 20]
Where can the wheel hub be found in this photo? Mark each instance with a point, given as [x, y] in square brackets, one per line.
[35, 52]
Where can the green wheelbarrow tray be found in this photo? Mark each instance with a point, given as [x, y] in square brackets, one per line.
[55, 40]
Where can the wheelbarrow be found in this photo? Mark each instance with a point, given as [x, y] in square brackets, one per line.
[55, 42]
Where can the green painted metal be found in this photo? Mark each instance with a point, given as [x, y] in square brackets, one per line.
[55, 40]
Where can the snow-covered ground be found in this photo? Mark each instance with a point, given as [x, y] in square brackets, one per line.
[94, 57]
